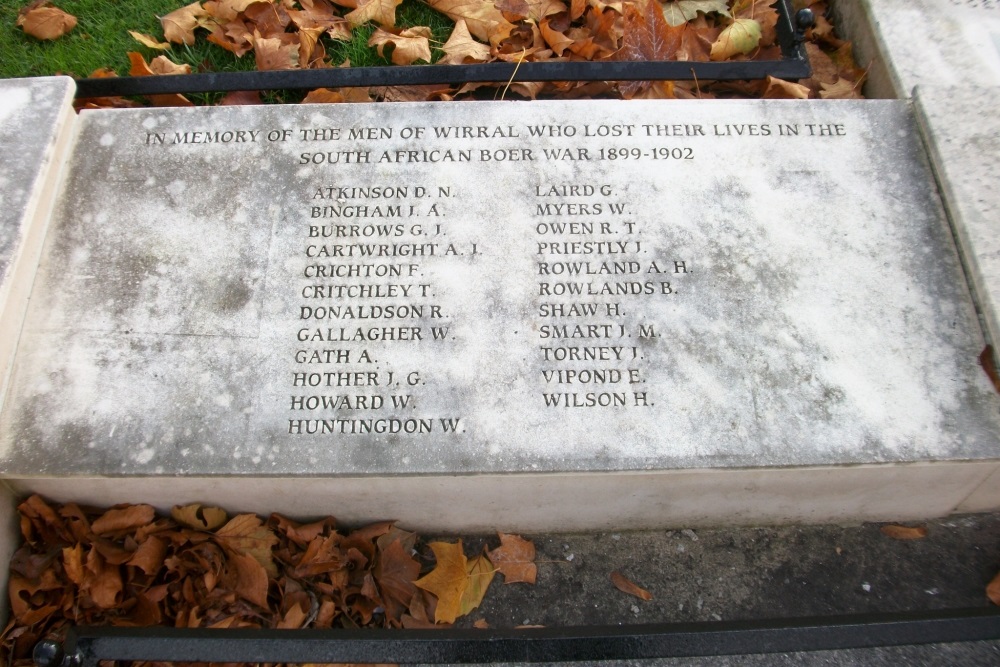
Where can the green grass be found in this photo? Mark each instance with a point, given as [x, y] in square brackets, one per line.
[101, 39]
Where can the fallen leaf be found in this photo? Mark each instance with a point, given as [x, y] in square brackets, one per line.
[515, 559]
[845, 89]
[125, 518]
[626, 586]
[179, 25]
[462, 48]
[151, 42]
[73, 563]
[149, 556]
[988, 362]
[779, 89]
[323, 96]
[46, 23]
[682, 11]
[740, 37]
[447, 581]
[898, 532]
[382, 12]
[237, 98]
[993, 590]
[272, 53]
[395, 571]
[483, 20]
[480, 571]
[247, 578]
[163, 65]
[646, 37]
[247, 534]
[481, 624]
[198, 517]
[409, 45]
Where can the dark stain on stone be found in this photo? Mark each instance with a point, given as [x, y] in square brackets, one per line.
[233, 296]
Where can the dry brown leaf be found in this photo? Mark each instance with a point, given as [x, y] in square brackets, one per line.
[779, 89]
[46, 23]
[123, 518]
[447, 581]
[247, 534]
[556, 39]
[149, 556]
[163, 65]
[626, 586]
[844, 89]
[409, 45]
[73, 563]
[149, 41]
[239, 98]
[993, 590]
[483, 20]
[179, 25]
[227, 10]
[898, 532]
[395, 571]
[382, 12]
[198, 517]
[988, 362]
[481, 624]
[515, 559]
[141, 68]
[462, 48]
[272, 53]
[247, 578]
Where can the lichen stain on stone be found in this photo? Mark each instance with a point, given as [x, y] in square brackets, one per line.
[233, 296]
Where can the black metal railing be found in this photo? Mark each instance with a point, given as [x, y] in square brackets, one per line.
[85, 647]
[793, 65]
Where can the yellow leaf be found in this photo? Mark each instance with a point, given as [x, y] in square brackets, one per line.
[480, 572]
[447, 581]
[179, 25]
[461, 48]
[151, 42]
[410, 45]
[742, 36]
[382, 12]
[515, 559]
[46, 23]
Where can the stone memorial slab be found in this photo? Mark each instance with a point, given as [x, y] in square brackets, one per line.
[35, 119]
[907, 43]
[429, 302]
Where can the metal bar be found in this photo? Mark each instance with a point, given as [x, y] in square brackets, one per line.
[440, 74]
[87, 646]
[793, 65]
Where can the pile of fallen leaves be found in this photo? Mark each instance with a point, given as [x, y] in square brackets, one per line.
[200, 568]
[290, 34]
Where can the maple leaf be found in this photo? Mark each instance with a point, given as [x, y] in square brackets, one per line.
[740, 37]
[226, 10]
[515, 559]
[44, 22]
[246, 534]
[198, 517]
[483, 20]
[409, 45]
[233, 36]
[320, 14]
[274, 53]
[149, 41]
[141, 68]
[530, 9]
[447, 581]
[382, 12]
[179, 25]
[626, 586]
[682, 11]
[461, 48]
[480, 572]
[395, 571]
[646, 36]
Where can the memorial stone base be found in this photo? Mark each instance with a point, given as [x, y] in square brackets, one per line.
[553, 316]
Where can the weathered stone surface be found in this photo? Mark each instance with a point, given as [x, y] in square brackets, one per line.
[35, 115]
[816, 311]
[907, 43]
[964, 143]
